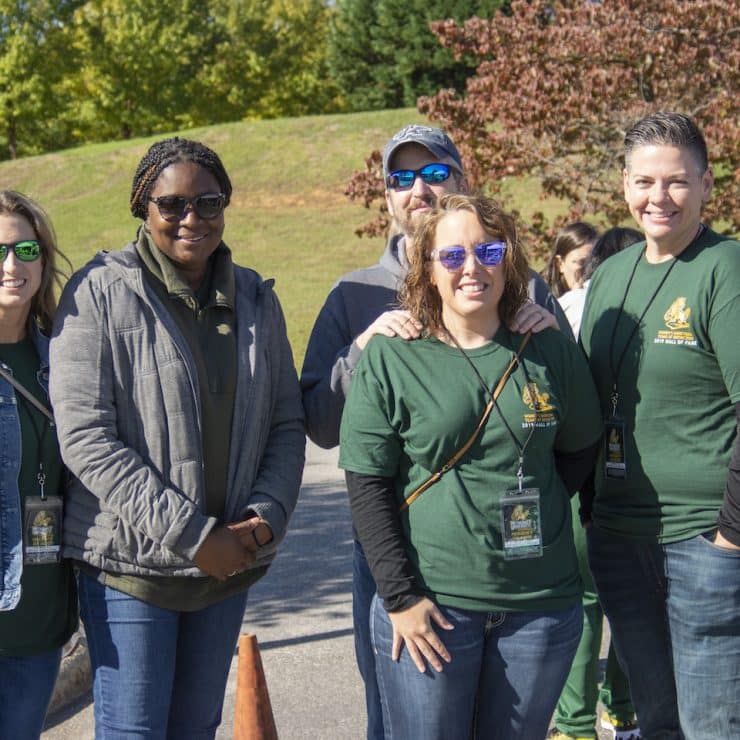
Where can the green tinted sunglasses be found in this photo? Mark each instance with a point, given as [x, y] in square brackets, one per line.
[29, 250]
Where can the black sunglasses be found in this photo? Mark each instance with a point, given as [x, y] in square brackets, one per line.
[174, 207]
[28, 250]
[432, 174]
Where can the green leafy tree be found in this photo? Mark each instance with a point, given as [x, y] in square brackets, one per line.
[268, 59]
[384, 54]
[137, 61]
[31, 62]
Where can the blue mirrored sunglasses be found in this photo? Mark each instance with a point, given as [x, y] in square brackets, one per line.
[488, 254]
[28, 250]
[431, 174]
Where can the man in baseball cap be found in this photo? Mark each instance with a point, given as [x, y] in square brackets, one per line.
[420, 164]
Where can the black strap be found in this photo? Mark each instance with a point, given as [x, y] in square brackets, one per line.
[486, 413]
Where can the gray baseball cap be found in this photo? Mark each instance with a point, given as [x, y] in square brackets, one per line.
[433, 139]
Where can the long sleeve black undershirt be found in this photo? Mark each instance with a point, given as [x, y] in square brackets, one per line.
[729, 514]
[376, 519]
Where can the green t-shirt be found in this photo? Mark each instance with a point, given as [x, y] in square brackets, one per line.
[678, 380]
[46, 614]
[412, 405]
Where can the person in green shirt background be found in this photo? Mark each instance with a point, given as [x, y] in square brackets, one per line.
[38, 598]
[478, 611]
[660, 332]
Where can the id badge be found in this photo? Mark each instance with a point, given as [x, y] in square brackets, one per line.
[42, 530]
[520, 525]
[615, 460]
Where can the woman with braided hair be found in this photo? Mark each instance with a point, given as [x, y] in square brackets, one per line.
[179, 413]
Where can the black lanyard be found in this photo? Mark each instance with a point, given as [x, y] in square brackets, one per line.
[622, 354]
[520, 448]
[40, 439]
[615, 372]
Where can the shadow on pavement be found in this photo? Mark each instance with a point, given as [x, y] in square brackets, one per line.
[313, 568]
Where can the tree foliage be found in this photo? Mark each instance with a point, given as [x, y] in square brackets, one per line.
[269, 60]
[559, 83]
[30, 44]
[76, 71]
[384, 54]
[136, 66]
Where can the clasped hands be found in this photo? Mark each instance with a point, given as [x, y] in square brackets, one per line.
[231, 548]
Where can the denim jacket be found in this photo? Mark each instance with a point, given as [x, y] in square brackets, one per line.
[11, 540]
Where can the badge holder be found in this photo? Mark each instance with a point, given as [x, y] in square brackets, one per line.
[520, 522]
[42, 527]
[615, 459]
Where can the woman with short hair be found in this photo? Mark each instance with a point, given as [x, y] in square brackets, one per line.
[660, 333]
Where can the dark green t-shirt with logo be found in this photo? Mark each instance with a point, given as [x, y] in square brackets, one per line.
[412, 405]
[678, 381]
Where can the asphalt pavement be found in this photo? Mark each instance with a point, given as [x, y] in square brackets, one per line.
[301, 614]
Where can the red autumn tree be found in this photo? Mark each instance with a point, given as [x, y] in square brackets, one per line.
[559, 83]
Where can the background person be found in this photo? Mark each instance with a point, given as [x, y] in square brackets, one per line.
[486, 653]
[179, 412]
[420, 164]
[576, 715]
[570, 252]
[38, 598]
[564, 271]
[610, 242]
[660, 332]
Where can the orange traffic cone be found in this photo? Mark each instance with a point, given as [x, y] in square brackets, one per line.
[253, 718]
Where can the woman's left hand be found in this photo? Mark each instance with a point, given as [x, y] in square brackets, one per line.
[413, 627]
[531, 317]
[253, 533]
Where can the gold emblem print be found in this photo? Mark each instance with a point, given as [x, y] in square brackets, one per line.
[677, 316]
[534, 399]
[543, 412]
[42, 529]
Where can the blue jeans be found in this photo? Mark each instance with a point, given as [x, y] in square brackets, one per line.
[504, 680]
[157, 673]
[363, 590]
[674, 611]
[26, 686]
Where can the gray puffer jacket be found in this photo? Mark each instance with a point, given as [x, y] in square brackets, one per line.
[126, 401]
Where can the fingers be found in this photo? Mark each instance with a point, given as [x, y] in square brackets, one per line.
[532, 317]
[253, 533]
[391, 324]
[412, 627]
[427, 648]
[222, 554]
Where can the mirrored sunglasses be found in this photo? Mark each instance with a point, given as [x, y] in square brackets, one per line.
[489, 254]
[175, 207]
[28, 250]
[431, 174]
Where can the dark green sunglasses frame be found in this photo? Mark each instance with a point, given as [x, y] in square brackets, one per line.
[27, 250]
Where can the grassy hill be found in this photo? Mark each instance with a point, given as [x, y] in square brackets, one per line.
[288, 218]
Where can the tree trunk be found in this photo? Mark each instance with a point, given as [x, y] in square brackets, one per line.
[12, 140]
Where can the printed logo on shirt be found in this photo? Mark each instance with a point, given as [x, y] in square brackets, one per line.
[677, 320]
[539, 403]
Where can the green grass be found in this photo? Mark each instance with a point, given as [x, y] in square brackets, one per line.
[288, 219]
